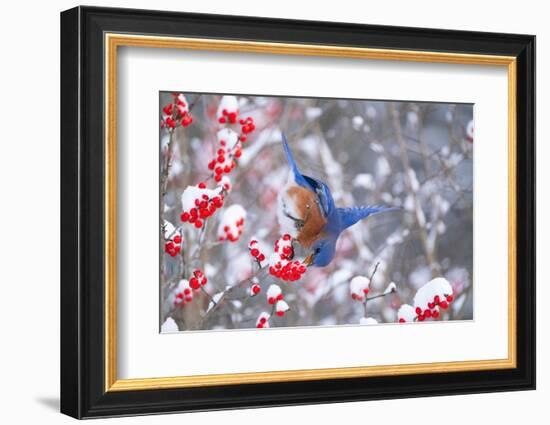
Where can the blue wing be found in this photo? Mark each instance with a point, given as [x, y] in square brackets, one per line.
[326, 203]
[298, 177]
[350, 216]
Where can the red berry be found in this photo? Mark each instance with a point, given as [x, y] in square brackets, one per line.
[401, 320]
[280, 313]
[420, 318]
[436, 299]
[418, 310]
[177, 239]
[366, 291]
[202, 185]
[222, 120]
[256, 289]
[261, 257]
[194, 283]
[254, 252]
[170, 122]
[444, 304]
[449, 298]
[198, 224]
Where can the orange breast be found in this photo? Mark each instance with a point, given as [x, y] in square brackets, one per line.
[309, 211]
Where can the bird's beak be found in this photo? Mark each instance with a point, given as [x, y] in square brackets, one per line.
[308, 260]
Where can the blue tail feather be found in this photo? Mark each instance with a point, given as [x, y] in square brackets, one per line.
[350, 216]
[290, 158]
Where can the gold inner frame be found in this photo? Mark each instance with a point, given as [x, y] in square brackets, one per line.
[113, 41]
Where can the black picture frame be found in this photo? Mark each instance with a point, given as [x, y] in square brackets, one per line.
[83, 392]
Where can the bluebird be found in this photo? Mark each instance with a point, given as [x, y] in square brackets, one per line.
[306, 211]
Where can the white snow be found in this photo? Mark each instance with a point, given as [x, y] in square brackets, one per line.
[281, 306]
[356, 122]
[215, 299]
[194, 192]
[169, 230]
[407, 313]
[392, 287]
[368, 321]
[470, 129]
[358, 285]
[229, 103]
[229, 136]
[231, 219]
[225, 183]
[412, 118]
[263, 315]
[169, 326]
[364, 180]
[371, 112]
[313, 113]
[383, 168]
[273, 291]
[413, 180]
[438, 286]
[419, 276]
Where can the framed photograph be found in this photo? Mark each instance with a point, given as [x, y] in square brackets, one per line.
[261, 212]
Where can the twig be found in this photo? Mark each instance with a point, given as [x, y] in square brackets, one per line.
[230, 290]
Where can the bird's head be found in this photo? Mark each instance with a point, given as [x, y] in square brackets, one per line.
[322, 252]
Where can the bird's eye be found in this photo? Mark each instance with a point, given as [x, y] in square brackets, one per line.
[317, 250]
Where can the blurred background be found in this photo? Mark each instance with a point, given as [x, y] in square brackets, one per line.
[415, 155]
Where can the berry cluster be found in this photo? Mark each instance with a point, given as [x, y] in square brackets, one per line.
[228, 110]
[230, 142]
[359, 288]
[232, 223]
[172, 239]
[274, 297]
[199, 203]
[230, 148]
[173, 246]
[274, 294]
[225, 184]
[198, 280]
[429, 299]
[255, 251]
[255, 288]
[281, 264]
[432, 309]
[176, 112]
[247, 126]
[183, 294]
[263, 320]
